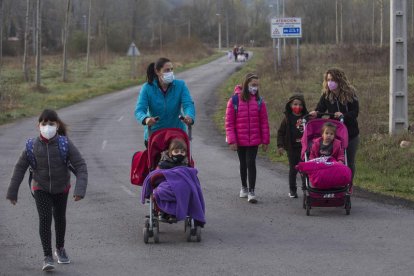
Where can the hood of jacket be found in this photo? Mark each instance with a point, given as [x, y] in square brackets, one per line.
[238, 89]
[299, 97]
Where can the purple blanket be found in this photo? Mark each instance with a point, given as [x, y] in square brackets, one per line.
[180, 194]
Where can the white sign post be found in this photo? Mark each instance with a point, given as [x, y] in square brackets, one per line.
[289, 27]
[133, 52]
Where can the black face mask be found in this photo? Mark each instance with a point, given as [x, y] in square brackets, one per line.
[178, 158]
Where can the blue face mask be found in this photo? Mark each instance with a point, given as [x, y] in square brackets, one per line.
[168, 77]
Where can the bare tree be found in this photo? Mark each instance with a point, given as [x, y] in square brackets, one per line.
[373, 24]
[342, 33]
[336, 23]
[1, 32]
[38, 42]
[381, 4]
[65, 41]
[88, 47]
[26, 43]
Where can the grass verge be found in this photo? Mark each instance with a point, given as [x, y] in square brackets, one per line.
[382, 166]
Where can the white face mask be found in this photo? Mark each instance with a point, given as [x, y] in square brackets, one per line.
[48, 131]
[168, 77]
[253, 90]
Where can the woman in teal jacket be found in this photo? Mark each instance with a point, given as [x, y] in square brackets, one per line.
[163, 99]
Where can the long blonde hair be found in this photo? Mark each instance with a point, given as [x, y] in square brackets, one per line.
[347, 92]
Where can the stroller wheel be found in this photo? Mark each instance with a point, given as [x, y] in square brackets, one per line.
[198, 233]
[304, 201]
[188, 235]
[156, 235]
[347, 205]
[308, 206]
[145, 231]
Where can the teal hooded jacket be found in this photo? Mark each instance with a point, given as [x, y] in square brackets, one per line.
[153, 102]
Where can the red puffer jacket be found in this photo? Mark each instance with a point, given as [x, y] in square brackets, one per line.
[248, 127]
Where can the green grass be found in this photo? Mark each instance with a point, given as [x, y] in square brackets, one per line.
[112, 73]
[382, 166]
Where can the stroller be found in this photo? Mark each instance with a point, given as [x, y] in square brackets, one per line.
[157, 143]
[337, 187]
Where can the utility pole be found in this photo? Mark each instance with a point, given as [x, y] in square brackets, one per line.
[38, 41]
[26, 43]
[1, 32]
[88, 47]
[65, 42]
[398, 107]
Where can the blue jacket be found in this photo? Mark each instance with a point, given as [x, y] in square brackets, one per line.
[153, 102]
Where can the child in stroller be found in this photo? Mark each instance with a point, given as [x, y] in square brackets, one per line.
[328, 179]
[172, 187]
[328, 145]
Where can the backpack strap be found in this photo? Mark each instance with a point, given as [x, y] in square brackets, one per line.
[259, 102]
[63, 145]
[235, 101]
[32, 161]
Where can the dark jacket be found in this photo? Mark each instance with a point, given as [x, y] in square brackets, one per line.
[350, 111]
[167, 163]
[51, 174]
[284, 133]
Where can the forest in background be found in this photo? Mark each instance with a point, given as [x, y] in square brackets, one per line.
[154, 23]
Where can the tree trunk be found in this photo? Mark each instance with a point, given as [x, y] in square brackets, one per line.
[336, 23]
[134, 21]
[342, 33]
[88, 48]
[381, 2]
[1, 33]
[38, 42]
[373, 24]
[65, 40]
[26, 43]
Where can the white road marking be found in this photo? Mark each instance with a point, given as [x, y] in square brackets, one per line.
[120, 118]
[104, 144]
[128, 191]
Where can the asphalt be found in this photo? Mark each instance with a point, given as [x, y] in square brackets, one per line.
[272, 237]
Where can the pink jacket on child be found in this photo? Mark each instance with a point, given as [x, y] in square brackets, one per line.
[249, 127]
[337, 150]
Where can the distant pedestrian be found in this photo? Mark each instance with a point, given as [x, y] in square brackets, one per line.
[339, 98]
[49, 156]
[289, 137]
[235, 52]
[247, 127]
[230, 55]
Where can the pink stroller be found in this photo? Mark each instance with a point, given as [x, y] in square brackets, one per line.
[332, 184]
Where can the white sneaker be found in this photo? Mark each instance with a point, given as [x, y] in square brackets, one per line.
[251, 197]
[243, 192]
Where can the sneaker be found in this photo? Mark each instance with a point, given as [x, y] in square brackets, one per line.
[48, 264]
[243, 192]
[251, 197]
[62, 256]
[293, 194]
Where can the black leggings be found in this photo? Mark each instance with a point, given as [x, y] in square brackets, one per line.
[247, 157]
[294, 156]
[48, 204]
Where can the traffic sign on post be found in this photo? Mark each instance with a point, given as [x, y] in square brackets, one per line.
[133, 50]
[290, 27]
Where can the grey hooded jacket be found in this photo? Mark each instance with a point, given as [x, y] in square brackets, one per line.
[51, 174]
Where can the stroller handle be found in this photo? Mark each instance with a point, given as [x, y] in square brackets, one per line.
[189, 127]
[341, 118]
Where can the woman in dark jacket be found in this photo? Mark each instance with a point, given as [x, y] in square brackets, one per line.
[339, 98]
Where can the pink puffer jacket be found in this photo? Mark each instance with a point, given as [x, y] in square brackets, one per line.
[249, 127]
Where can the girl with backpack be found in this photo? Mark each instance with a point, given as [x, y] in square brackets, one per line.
[50, 155]
[247, 127]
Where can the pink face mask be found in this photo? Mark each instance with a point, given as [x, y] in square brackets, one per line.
[332, 85]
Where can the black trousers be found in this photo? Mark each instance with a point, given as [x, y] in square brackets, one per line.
[294, 158]
[49, 205]
[247, 158]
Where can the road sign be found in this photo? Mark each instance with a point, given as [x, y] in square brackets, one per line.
[133, 50]
[290, 27]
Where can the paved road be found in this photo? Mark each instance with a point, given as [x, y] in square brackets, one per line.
[274, 237]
